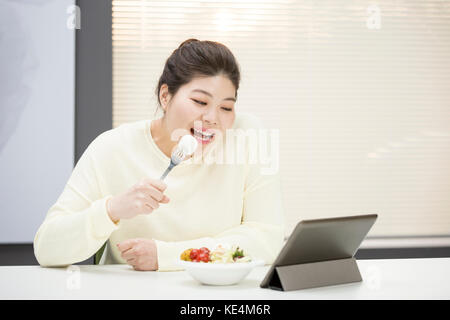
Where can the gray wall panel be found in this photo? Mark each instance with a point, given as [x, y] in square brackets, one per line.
[37, 69]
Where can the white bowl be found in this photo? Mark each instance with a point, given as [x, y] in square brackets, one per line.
[219, 274]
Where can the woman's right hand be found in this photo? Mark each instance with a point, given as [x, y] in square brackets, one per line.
[142, 198]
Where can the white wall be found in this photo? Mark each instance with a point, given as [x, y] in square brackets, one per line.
[37, 70]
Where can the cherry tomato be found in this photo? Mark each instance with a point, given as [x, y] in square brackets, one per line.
[203, 257]
[204, 249]
[193, 254]
[200, 255]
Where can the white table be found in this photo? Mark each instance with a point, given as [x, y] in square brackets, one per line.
[382, 279]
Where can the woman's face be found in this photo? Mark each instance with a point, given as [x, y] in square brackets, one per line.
[204, 108]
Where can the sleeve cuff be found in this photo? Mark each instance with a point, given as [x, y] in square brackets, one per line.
[102, 224]
[167, 253]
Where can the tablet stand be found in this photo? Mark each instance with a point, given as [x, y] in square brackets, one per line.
[315, 274]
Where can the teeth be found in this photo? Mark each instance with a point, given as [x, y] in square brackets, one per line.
[205, 135]
[204, 138]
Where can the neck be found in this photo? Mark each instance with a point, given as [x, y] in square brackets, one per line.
[162, 137]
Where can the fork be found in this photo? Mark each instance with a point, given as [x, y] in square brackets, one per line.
[186, 146]
[176, 158]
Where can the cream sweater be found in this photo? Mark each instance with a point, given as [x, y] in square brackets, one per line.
[209, 203]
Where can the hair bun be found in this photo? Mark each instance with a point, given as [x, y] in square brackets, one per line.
[187, 42]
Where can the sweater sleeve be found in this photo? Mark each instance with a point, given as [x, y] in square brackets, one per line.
[78, 224]
[261, 232]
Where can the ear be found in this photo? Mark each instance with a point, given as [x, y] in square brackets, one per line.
[164, 96]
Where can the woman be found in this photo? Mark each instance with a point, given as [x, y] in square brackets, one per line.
[114, 194]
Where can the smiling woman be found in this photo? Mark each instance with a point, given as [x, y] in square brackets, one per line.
[196, 91]
[114, 197]
[203, 115]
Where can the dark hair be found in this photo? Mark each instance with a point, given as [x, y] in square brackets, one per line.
[195, 58]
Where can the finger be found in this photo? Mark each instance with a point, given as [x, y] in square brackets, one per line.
[131, 261]
[152, 202]
[129, 254]
[126, 250]
[158, 184]
[150, 209]
[155, 194]
[150, 192]
[138, 267]
[126, 245]
[152, 205]
[165, 199]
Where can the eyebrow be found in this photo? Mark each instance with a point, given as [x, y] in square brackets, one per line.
[210, 95]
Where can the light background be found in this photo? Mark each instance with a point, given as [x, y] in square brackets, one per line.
[358, 90]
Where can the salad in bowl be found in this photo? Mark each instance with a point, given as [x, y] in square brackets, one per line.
[224, 265]
[219, 255]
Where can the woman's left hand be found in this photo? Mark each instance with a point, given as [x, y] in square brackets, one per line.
[139, 253]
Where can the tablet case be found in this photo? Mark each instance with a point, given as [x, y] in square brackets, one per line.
[320, 253]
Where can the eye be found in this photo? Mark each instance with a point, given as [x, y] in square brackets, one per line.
[199, 102]
[227, 109]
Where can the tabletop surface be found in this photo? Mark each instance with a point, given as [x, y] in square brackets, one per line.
[382, 279]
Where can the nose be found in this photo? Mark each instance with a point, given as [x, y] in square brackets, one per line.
[210, 116]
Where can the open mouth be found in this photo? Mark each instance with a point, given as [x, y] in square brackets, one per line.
[201, 136]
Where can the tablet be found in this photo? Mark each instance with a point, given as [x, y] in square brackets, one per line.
[322, 240]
